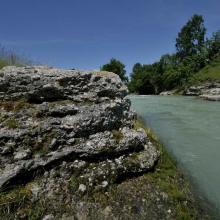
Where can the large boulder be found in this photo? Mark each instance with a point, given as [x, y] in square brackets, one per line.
[59, 118]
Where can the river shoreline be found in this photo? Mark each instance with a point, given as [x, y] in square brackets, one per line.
[206, 91]
[162, 193]
[180, 123]
[201, 209]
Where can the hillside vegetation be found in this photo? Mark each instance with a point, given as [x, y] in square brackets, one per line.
[195, 59]
[210, 73]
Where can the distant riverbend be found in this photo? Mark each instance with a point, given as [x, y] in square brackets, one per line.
[190, 129]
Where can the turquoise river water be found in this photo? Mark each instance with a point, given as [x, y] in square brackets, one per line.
[190, 130]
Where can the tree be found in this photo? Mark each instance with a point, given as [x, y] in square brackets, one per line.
[116, 67]
[142, 79]
[191, 38]
[167, 65]
[214, 45]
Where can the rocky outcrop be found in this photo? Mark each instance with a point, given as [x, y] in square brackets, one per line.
[77, 123]
[208, 91]
[212, 94]
[166, 93]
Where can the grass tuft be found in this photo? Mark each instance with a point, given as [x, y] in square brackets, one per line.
[11, 123]
[117, 135]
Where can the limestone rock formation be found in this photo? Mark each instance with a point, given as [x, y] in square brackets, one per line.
[208, 91]
[67, 124]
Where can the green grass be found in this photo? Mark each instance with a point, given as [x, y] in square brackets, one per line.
[210, 73]
[3, 63]
[19, 200]
[11, 123]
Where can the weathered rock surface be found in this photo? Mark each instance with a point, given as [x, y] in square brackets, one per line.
[208, 91]
[51, 117]
[42, 84]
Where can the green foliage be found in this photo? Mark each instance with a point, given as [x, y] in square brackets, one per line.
[191, 38]
[176, 70]
[157, 77]
[210, 73]
[116, 67]
[142, 79]
[11, 123]
[213, 45]
[74, 183]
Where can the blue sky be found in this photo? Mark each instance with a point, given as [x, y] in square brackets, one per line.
[85, 34]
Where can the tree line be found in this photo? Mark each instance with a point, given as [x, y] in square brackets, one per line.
[193, 52]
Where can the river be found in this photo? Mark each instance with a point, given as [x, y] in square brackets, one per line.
[190, 130]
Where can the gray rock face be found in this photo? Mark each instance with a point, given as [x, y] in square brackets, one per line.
[208, 91]
[40, 84]
[53, 119]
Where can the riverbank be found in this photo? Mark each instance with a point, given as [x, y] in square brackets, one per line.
[163, 193]
[188, 127]
[170, 179]
[207, 91]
